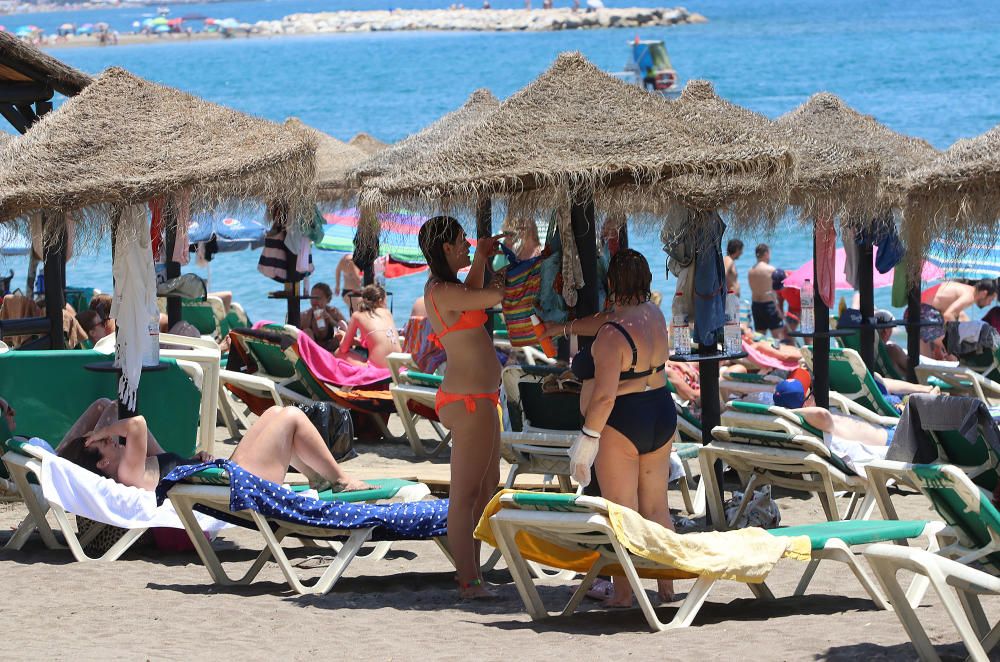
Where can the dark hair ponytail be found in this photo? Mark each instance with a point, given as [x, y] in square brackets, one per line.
[433, 235]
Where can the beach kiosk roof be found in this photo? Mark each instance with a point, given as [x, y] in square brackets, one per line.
[124, 140]
[829, 178]
[23, 65]
[414, 148]
[955, 196]
[826, 115]
[578, 129]
[334, 160]
[367, 143]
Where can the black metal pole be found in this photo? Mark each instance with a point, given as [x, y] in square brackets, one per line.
[173, 268]
[367, 242]
[867, 291]
[484, 228]
[581, 215]
[55, 294]
[821, 342]
[912, 326]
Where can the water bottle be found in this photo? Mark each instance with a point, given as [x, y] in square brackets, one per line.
[733, 335]
[40, 283]
[680, 331]
[807, 321]
[544, 342]
[151, 357]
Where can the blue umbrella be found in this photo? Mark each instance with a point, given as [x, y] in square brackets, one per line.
[25, 31]
[961, 260]
[161, 29]
[231, 234]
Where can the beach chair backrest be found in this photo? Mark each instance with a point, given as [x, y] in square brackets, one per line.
[849, 376]
[953, 448]
[552, 502]
[962, 505]
[199, 314]
[307, 384]
[268, 356]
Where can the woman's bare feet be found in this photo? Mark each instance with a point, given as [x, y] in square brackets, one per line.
[621, 596]
[665, 590]
[351, 485]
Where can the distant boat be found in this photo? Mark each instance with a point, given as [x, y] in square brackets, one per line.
[649, 66]
[163, 11]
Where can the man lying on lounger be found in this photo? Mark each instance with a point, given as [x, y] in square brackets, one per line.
[791, 395]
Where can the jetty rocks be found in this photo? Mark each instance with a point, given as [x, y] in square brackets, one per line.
[479, 20]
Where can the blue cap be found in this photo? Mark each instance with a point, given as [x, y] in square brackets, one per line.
[789, 394]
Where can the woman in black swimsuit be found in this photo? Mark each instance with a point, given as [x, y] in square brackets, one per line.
[629, 416]
[282, 436]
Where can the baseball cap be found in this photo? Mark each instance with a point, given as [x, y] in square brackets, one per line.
[789, 394]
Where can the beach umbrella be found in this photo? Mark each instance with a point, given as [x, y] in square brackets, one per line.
[228, 23]
[230, 234]
[401, 228]
[86, 28]
[161, 29]
[175, 22]
[959, 259]
[334, 160]
[25, 31]
[367, 143]
[929, 271]
[159, 20]
[550, 143]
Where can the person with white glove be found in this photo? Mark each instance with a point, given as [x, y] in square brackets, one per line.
[630, 419]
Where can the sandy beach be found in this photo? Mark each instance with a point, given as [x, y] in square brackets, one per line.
[157, 606]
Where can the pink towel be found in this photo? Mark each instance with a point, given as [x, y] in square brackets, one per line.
[328, 368]
[762, 359]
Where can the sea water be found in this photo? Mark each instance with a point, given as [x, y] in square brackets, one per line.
[923, 68]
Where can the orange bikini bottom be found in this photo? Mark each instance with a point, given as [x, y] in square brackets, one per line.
[444, 398]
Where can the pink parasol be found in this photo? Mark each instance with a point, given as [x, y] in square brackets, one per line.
[798, 277]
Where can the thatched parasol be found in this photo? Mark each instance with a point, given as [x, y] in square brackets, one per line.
[828, 117]
[124, 140]
[576, 129]
[334, 159]
[367, 143]
[829, 179]
[22, 63]
[955, 196]
[410, 151]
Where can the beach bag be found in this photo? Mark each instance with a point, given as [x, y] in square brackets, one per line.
[761, 510]
[335, 426]
[275, 258]
[103, 541]
[524, 283]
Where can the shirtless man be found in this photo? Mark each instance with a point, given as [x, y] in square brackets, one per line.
[952, 298]
[790, 394]
[764, 302]
[351, 275]
[734, 249]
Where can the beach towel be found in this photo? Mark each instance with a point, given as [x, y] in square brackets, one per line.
[414, 520]
[826, 260]
[710, 285]
[762, 359]
[134, 304]
[417, 343]
[326, 367]
[520, 294]
[104, 500]
[746, 555]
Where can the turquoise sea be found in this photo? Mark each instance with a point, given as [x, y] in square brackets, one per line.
[924, 68]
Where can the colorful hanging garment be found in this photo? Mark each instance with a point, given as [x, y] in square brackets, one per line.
[524, 283]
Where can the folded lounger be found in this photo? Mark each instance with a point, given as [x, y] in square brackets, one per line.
[961, 571]
[49, 483]
[594, 536]
[230, 493]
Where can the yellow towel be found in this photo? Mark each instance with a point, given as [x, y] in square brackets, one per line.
[746, 555]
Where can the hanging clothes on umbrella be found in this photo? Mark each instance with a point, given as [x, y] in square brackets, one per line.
[710, 283]
[520, 296]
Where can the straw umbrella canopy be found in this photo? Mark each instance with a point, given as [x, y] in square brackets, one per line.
[577, 131]
[124, 140]
[367, 143]
[827, 116]
[829, 178]
[955, 196]
[22, 63]
[334, 160]
[410, 151]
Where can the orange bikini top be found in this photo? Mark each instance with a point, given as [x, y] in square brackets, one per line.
[469, 319]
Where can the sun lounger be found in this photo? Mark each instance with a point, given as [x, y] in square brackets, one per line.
[977, 377]
[883, 363]
[277, 513]
[593, 536]
[413, 394]
[960, 571]
[850, 377]
[773, 445]
[50, 484]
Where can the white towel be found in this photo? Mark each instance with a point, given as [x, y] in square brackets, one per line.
[854, 453]
[101, 499]
[134, 304]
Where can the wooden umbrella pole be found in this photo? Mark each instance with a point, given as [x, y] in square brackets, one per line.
[913, 328]
[173, 268]
[582, 220]
[55, 294]
[484, 228]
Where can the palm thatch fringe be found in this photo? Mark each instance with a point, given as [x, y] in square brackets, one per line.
[334, 159]
[35, 65]
[827, 116]
[577, 129]
[124, 140]
[367, 143]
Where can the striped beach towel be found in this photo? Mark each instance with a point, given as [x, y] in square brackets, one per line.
[524, 283]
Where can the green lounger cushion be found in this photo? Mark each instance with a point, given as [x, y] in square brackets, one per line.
[687, 450]
[424, 378]
[854, 532]
[385, 488]
[774, 438]
[766, 410]
[557, 501]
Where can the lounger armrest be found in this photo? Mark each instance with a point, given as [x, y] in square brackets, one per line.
[879, 473]
[252, 382]
[397, 361]
[194, 343]
[851, 408]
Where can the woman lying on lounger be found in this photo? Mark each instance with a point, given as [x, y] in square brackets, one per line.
[282, 436]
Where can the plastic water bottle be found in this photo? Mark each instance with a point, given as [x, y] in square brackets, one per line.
[807, 322]
[151, 357]
[544, 342]
[680, 332]
[732, 334]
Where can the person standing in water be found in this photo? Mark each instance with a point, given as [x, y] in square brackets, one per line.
[351, 275]
[466, 402]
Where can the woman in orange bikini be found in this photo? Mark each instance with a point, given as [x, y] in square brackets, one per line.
[467, 399]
